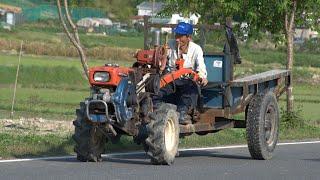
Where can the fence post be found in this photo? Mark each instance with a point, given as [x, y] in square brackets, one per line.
[146, 31]
[16, 81]
[202, 37]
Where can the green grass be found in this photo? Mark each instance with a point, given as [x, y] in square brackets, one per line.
[269, 56]
[47, 72]
[308, 99]
[89, 41]
[47, 103]
[48, 61]
[18, 146]
[14, 145]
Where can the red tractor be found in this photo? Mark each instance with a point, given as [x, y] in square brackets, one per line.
[120, 104]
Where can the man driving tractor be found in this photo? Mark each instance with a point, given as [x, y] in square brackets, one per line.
[183, 92]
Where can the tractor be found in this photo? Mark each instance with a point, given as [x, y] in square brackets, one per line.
[121, 104]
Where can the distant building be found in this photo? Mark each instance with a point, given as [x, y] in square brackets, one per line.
[94, 22]
[90, 24]
[305, 33]
[192, 19]
[152, 9]
[8, 14]
[149, 8]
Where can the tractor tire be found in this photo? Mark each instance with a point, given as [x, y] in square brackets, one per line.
[262, 125]
[163, 135]
[90, 139]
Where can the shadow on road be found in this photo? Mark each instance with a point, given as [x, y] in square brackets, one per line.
[129, 159]
[213, 154]
[140, 158]
[143, 159]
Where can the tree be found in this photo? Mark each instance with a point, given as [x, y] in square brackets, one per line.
[72, 34]
[281, 17]
[277, 17]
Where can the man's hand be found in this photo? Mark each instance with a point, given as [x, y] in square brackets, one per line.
[203, 81]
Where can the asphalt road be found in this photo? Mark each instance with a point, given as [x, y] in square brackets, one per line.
[293, 161]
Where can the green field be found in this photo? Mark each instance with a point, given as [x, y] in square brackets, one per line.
[54, 86]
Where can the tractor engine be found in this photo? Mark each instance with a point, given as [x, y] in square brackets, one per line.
[120, 95]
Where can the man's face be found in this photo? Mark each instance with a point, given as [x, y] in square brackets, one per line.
[182, 40]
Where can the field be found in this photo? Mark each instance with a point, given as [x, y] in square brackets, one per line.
[51, 85]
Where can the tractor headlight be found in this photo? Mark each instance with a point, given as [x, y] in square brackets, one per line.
[101, 76]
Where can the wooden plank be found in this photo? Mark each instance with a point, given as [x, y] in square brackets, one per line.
[261, 77]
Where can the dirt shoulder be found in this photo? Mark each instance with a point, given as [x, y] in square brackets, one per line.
[36, 125]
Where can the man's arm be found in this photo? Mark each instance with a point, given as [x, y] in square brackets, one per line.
[201, 67]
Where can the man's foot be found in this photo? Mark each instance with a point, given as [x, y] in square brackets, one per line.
[184, 118]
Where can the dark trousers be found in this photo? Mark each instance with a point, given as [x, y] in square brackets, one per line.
[181, 92]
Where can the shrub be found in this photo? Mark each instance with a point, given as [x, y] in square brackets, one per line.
[292, 120]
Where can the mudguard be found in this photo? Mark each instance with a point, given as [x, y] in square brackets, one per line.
[119, 99]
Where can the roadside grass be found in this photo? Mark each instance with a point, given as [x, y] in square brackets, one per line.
[14, 145]
[19, 145]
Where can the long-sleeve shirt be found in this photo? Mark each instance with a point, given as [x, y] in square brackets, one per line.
[192, 59]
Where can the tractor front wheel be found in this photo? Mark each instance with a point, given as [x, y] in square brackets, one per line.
[90, 139]
[163, 135]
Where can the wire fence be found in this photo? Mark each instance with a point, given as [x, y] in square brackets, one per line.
[45, 12]
[37, 10]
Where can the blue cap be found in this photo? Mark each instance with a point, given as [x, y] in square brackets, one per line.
[184, 29]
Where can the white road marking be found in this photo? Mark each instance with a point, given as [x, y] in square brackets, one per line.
[135, 153]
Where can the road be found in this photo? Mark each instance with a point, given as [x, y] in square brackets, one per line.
[291, 161]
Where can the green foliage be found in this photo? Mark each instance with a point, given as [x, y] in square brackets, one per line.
[256, 12]
[292, 120]
[310, 46]
[211, 11]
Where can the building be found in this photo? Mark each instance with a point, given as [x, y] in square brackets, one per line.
[8, 14]
[302, 34]
[149, 8]
[152, 9]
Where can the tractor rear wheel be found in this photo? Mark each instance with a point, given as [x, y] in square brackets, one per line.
[262, 121]
[90, 139]
[163, 135]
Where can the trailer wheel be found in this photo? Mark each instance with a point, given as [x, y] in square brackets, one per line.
[90, 139]
[163, 135]
[262, 121]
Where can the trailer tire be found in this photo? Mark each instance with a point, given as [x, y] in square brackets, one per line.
[163, 135]
[90, 139]
[262, 125]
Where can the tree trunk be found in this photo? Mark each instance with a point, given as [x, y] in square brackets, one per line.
[289, 67]
[289, 26]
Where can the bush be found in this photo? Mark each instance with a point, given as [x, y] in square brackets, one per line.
[310, 46]
[292, 120]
